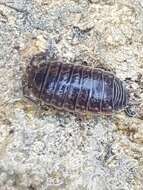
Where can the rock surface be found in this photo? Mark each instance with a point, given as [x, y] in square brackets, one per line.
[55, 151]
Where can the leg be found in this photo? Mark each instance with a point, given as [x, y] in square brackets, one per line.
[105, 68]
[83, 117]
[26, 94]
[129, 111]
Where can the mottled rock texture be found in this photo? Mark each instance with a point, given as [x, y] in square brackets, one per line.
[53, 150]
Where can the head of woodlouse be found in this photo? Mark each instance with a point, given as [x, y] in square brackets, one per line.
[35, 75]
[36, 79]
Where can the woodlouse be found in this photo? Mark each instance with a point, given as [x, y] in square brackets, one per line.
[75, 88]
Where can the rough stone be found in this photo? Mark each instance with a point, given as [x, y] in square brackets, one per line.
[52, 150]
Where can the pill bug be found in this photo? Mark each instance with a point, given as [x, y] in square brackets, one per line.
[75, 88]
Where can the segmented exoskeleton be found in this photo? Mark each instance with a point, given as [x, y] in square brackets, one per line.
[76, 88]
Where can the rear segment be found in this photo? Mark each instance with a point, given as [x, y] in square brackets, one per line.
[120, 95]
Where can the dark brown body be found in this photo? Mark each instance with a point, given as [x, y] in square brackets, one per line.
[77, 88]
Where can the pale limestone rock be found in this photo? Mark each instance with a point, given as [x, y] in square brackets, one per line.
[52, 150]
